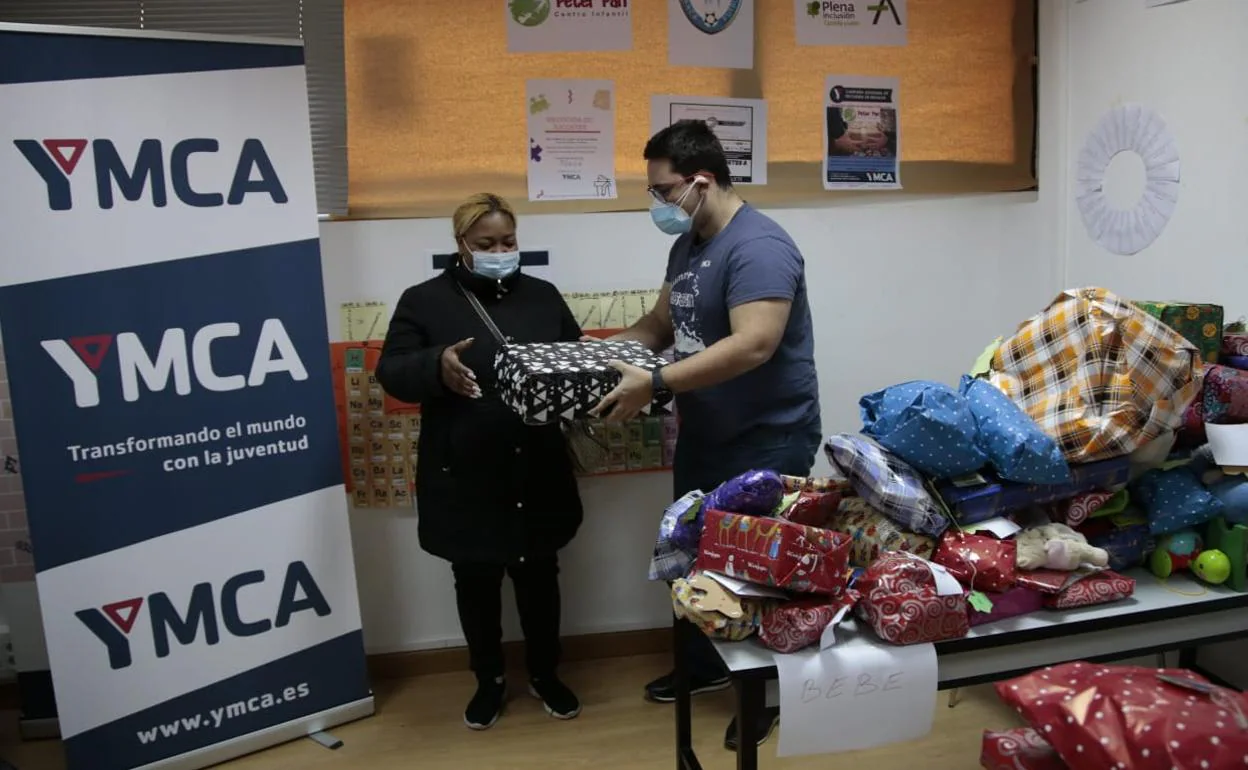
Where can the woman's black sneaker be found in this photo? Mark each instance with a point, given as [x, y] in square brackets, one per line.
[486, 705]
[663, 689]
[560, 702]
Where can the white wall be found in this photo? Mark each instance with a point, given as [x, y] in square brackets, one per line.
[901, 289]
[1185, 61]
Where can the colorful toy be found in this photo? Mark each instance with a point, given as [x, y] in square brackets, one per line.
[1186, 550]
[1232, 540]
[1058, 547]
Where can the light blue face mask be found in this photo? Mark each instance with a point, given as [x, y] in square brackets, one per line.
[495, 265]
[670, 217]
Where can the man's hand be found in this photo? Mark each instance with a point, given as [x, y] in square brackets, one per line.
[634, 392]
[588, 338]
[455, 376]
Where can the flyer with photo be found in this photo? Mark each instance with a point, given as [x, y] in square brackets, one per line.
[862, 134]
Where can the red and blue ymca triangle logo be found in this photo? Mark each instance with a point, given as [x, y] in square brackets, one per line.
[123, 613]
[66, 152]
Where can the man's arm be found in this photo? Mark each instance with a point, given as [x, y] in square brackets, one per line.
[757, 328]
[654, 329]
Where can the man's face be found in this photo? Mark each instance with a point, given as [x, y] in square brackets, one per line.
[665, 185]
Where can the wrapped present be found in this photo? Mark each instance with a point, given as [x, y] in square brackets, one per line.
[1225, 396]
[1127, 546]
[813, 509]
[1199, 324]
[905, 602]
[1175, 499]
[774, 552]
[981, 562]
[1099, 587]
[1004, 605]
[927, 425]
[680, 531]
[1045, 581]
[1021, 748]
[1101, 717]
[1235, 362]
[838, 484]
[1077, 509]
[887, 483]
[1015, 445]
[1235, 343]
[972, 503]
[792, 626]
[549, 381]
[756, 493]
[1098, 374]
[874, 533]
[715, 611]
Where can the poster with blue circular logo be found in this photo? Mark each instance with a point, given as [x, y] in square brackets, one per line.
[711, 33]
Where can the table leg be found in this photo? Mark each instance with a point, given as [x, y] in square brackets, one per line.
[1187, 657]
[684, 715]
[751, 700]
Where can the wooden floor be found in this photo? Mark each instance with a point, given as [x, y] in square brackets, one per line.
[419, 725]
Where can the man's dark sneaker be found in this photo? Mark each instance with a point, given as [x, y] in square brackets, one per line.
[560, 702]
[768, 718]
[663, 689]
[486, 705]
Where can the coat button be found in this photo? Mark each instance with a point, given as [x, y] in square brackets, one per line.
[517, 450]
[519, 505]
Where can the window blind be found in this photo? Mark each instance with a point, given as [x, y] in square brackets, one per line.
[317, 22]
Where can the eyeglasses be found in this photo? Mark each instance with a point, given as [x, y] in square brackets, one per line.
[660, 191]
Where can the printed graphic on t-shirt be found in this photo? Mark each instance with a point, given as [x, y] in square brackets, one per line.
[684, 306]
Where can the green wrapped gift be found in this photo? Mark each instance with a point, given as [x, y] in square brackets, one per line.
[1199, 324]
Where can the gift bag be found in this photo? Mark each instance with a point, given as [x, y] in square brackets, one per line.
[887, 483]
[1098, 374]
[774, 552]
[927, 425]
[980, 562]
[792, 626]
[1101, 587]
[905, 602]
[1019, 749]
[1005, 605]
[548, 381]
[874, 533]
[1102, 717]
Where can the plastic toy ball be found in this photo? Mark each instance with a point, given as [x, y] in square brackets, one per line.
[1160, 563]
[1212, 566]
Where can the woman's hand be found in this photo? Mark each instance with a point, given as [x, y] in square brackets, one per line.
[455, 376]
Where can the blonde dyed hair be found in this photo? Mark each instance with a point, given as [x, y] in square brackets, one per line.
[477, 206]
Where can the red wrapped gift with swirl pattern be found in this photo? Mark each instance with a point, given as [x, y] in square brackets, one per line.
[1100, 587]
[795, 625]
[1021, 748]
[1132, 718]
[979, 561]
[901, 602]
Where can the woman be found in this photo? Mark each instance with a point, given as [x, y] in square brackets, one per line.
[494, 496]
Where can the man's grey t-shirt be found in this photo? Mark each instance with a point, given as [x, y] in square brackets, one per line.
[751, 259]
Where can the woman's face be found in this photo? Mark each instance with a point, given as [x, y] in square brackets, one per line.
[492, 232]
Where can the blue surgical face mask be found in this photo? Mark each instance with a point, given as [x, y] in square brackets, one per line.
[671, 218]
[495, 265]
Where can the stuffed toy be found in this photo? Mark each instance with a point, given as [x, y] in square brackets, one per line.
[1058, 547]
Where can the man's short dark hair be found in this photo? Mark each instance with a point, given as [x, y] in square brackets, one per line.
[690, 146]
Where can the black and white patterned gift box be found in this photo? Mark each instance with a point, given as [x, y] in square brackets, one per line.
[544, 382]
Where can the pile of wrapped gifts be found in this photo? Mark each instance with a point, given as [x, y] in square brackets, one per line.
[1073, 452]
[1085, 716]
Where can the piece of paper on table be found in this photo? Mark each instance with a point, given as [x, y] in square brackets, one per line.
[739, 587]
[1000, 526]
[710, 33]
[1229, 444]
[571, 139]
[856, 695]
[739, 124]
[828, 637]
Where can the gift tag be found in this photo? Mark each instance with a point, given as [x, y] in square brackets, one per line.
[979, 601]
[828, 637]
[946, 584]
[1000, 526]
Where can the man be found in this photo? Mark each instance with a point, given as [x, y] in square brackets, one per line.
[734, 305]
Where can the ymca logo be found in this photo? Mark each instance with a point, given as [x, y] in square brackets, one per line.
[149, 173]
[82, 360]
[206, 614]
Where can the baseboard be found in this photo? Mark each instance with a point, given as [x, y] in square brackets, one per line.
[620, 644]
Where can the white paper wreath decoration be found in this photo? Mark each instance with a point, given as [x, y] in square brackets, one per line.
[1128, 128]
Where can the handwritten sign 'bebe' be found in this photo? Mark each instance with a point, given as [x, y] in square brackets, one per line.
[873, 693]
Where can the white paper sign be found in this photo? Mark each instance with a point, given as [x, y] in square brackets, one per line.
[571, 139]
[856, 695]
[882, 22]
[535, 26]
[739, 124]
[710, 33]
[862, 133]
[1229, 444]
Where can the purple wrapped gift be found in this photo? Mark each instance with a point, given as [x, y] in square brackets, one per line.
[1008, 604]
[753, 493]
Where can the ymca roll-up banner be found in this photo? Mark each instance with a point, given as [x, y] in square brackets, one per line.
[164, 327]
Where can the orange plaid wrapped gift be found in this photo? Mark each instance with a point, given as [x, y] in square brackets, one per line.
[1098, 374]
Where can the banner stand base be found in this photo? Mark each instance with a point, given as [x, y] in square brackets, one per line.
[267, 738]
[38, 729]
